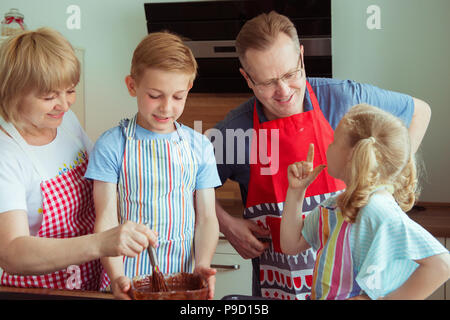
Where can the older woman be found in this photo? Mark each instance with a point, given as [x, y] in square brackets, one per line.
[46, 209]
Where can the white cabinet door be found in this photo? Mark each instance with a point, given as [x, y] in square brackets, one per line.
[234, 274]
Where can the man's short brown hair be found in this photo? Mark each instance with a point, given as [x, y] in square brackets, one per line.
[261, 32]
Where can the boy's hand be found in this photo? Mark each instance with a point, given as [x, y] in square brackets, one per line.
[301, 174]
[209, 275]
[120, 288]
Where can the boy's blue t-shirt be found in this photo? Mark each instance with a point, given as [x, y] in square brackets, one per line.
[105, 160]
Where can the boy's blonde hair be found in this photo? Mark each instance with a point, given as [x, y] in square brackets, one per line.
[261, 32]
[381, 155]
[41, 60]
[163, 50]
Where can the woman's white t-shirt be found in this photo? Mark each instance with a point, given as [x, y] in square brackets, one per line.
[19, 180]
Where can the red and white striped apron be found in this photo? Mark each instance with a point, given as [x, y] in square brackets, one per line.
[285, 276]
[156, 187]
[68, 211]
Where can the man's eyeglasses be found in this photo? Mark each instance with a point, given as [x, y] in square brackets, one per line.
[288, 78]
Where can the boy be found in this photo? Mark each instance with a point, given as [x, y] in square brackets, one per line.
[157, 168]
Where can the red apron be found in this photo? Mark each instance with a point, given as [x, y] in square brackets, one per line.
[284, 276]
[68, 211]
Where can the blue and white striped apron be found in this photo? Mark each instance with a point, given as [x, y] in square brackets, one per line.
[156, 187]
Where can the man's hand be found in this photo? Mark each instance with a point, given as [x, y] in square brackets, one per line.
[242, 234]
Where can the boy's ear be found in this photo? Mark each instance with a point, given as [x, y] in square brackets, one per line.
[131, 85]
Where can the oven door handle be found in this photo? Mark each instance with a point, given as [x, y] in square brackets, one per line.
[226, 266]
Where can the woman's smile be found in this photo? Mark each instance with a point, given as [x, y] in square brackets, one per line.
[56, 116]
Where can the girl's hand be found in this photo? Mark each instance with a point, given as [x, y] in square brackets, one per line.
[120, 288]
[209, 275]
[301, 174]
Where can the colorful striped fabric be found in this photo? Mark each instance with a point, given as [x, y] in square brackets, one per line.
[156, 187]
[333, 272]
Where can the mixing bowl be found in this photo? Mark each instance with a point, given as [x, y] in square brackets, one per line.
[182, 286]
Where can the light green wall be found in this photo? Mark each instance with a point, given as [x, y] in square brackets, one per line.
[410, 54]
[110, 30]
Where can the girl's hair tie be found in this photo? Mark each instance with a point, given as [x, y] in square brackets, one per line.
[372, 139]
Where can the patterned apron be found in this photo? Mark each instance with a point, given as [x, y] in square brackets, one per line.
[333, 276]
[68, 211]
[286, 276]
[156, 187]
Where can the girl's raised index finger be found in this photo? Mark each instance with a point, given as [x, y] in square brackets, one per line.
[310, 156]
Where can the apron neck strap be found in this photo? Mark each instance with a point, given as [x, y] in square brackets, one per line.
[312, 96]
[130, 129]
[388, 187]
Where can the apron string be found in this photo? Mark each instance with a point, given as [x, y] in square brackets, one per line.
[130, 129]
[312, 97]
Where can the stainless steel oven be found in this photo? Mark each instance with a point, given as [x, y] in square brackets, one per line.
[210, 29]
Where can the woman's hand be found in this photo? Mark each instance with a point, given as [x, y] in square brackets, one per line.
[128, 239]
[301, 174]
[209, 275]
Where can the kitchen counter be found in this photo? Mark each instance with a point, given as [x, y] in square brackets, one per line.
[434, 217]
[12, 293]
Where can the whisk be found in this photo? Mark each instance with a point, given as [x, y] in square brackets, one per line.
[158, 282]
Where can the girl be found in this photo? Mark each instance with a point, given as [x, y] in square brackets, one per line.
[366, 245]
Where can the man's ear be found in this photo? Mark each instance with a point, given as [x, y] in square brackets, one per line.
[244, 74]
[131, 85]
[302, 54]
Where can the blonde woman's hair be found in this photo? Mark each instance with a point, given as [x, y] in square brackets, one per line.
[165, 51]
[41, 60]
[261, 32]
[381, 155]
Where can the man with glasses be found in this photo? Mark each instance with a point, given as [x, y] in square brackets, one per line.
[287, 113]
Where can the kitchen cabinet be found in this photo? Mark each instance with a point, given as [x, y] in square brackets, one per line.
[234, 274]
